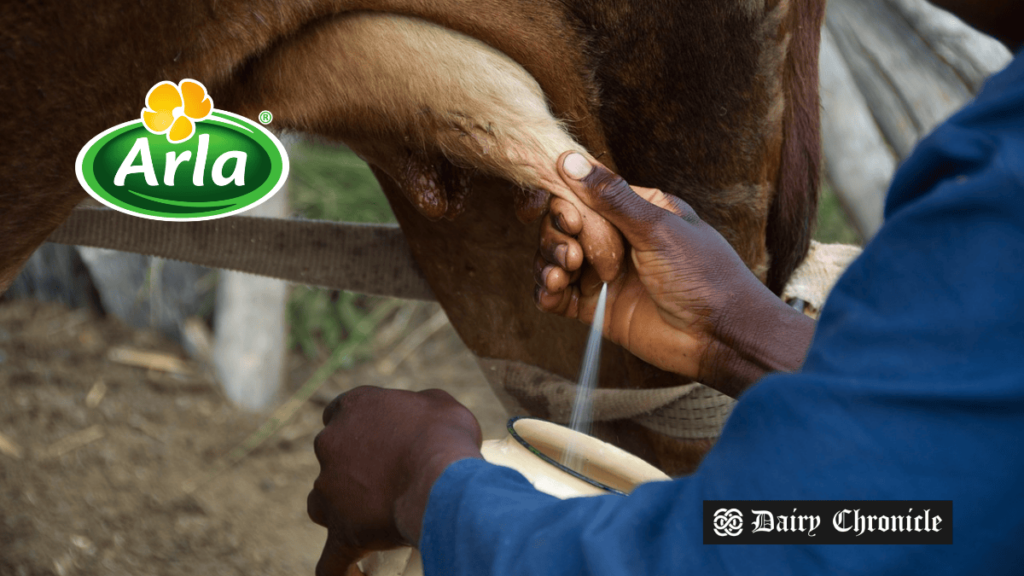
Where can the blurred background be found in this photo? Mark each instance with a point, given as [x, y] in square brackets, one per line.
[157, 417]
[120, 450]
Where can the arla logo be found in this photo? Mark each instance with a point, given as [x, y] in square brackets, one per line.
[183, 160]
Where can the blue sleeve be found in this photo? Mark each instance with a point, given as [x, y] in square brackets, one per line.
[486, 519]
[913, 389]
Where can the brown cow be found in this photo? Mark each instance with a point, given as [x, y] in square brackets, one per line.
[462, 108]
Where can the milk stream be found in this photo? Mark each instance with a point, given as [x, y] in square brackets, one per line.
[582, 408]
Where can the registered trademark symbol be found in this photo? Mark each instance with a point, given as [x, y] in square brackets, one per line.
[266, 117]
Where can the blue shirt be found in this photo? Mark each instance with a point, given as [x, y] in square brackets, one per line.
[913, 389]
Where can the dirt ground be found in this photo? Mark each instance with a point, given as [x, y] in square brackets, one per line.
[96, 455]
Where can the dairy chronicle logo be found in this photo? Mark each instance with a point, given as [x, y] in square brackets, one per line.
[728, 522]
[183, 159]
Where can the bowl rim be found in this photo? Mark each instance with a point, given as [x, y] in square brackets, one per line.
[512, 432]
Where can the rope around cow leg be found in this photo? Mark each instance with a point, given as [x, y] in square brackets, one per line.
[688, 412]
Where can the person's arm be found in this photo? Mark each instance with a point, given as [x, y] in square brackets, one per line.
[682, 300]
[488, 520]
[401, 467]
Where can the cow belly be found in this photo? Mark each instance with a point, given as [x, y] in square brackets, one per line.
[455, 128]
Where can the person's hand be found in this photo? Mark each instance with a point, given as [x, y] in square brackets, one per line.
[682, 301]
[380, 454]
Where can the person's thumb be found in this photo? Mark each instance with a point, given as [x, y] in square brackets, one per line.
[610, 196]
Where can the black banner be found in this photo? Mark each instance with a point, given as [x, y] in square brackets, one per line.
[828, 521]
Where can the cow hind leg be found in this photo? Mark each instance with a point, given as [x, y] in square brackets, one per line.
[412, 98]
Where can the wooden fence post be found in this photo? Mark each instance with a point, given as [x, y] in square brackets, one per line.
[250, 343]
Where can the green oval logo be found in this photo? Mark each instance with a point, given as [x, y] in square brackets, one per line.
[228, 165]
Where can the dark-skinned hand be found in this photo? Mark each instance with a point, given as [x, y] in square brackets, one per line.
[681, 300]
[380, 453]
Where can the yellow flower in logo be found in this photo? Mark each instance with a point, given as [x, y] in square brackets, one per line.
[171, 109]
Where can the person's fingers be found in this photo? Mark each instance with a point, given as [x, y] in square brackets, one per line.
[559, 248]
[337, 559]
[454, 413]
[564, 303]
[575, 302]
[556, 280]
[438, 394]
[574, 276]
[337, 406]
[565, 217]
[573, 256]
[553, 293]
[562, 252]
[548, 302]
[315, 508]
[553, 248]
[601, 243]
[331, 409]
[550, 276]
[541, 267]
[610, 195]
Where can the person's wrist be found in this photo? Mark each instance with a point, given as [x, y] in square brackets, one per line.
[755, 334]
[411, 504]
